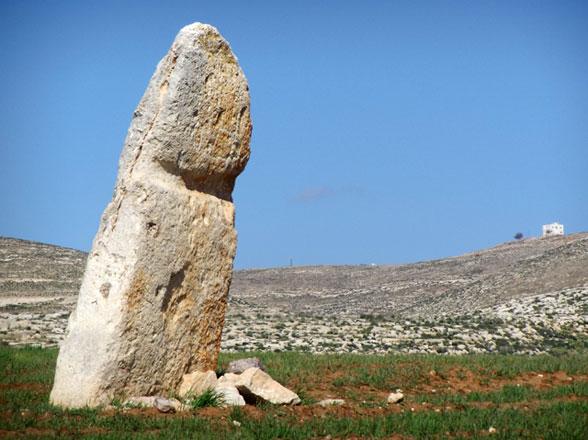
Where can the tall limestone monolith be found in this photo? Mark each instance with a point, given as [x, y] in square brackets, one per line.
[152, 303]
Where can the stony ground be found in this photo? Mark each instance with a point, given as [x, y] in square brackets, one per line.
[531, 325]
[347, 309]
[537, 324]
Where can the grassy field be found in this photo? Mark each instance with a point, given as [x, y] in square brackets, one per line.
[475, 396]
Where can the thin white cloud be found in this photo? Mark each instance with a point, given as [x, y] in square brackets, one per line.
[316, 193]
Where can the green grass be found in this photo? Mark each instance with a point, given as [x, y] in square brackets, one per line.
[509, 394]
[401, 371]
[556, 412]
[208, 398]
[551, 422]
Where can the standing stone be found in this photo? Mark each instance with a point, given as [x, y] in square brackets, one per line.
[152, 302]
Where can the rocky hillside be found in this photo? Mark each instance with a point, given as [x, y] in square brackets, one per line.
[528, 296]
[481, 279]
[36, 273]
[39, 273]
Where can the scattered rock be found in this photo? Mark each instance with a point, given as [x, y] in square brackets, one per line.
[395, 397]
[167, 405]
[256, 385]
[197, 382]
[160, 267]
[331, 402]
[241, 365]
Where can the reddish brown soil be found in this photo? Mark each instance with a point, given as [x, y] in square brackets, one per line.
[35, 432]
[23, 386]
[454, 381]
[458, 380]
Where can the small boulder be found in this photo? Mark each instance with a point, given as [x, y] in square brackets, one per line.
[240, 365]
[331, 402]
[395, 397]
[197, 382]
[230, 395]
[140, 402]
[162, 404]
[167, 405]
[256, 385]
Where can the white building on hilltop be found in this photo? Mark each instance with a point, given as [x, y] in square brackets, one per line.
[553, 229]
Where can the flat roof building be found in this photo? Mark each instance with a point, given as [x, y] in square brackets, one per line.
[553, 229]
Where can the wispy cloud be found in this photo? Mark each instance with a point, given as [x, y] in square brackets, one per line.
[317, 193]
[312, 194]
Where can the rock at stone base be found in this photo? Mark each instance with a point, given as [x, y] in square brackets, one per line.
[395, 397]
[256, 385]
[230, 378]
[167, 405]
[162, 404]
[141, 402]
[230, 395]
[240, 365]
[197, 382]
[330, 402]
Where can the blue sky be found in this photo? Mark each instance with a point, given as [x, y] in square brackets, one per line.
[384, 132]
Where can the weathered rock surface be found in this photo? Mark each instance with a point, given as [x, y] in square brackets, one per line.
[256, 385]
[152, 302]
[240, 365]
[197, 382]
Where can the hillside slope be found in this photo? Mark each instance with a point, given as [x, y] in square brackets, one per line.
[39, 274]
[520, 297]
[452, 285]
[35, 273]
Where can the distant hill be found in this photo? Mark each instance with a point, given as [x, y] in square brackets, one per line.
[35, 273]
[479, 279]
[30, 270]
